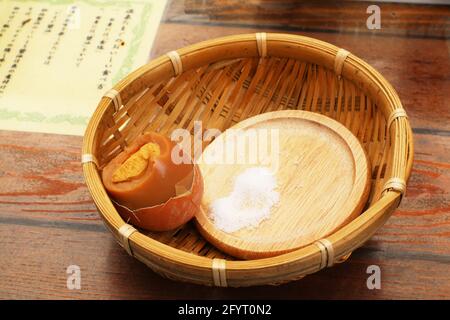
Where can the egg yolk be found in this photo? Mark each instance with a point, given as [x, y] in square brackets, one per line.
[136, 164]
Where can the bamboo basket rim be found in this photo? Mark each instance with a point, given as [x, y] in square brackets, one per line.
[390, 199]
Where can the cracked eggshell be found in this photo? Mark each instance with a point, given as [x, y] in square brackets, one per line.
[168, 215]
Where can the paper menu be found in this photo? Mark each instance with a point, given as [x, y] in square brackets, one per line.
[57, 58]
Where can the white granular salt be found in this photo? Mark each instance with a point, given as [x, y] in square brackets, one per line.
[249, 203]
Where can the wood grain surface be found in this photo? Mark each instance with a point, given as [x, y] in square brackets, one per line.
[48, 220]
[329, 188]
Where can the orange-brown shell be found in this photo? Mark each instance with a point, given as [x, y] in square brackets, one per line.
[169, 215]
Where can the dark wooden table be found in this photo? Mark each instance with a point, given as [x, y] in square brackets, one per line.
[48, 220]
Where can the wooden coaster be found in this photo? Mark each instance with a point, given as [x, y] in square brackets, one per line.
[322, 175]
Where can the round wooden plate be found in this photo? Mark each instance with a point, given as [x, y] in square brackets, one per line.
[322, 178]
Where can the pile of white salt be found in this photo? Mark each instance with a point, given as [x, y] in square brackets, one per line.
[249, 203]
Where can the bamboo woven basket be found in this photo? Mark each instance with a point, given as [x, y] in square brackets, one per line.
[221, 82]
